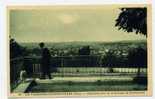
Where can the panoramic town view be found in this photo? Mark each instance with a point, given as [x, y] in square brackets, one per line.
[78, 49]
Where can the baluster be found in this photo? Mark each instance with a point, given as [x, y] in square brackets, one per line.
[33, 68]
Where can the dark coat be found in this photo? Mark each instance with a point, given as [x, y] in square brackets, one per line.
[45, 60]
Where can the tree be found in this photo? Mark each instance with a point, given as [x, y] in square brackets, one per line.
[137, 57]
[84, 53]
[15, 49]
[84, 50]
[133, 20]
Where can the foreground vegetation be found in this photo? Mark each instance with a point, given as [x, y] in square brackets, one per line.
[99, 85]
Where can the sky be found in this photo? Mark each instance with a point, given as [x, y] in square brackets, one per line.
[67, 24]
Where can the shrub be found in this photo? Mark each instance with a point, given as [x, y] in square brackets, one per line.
[70, 83]
[77, 70]
[110, 70]
[98, 82]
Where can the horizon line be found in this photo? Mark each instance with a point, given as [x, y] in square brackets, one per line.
[79, 41]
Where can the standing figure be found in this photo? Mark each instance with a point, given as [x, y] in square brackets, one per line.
[45, 61]
[23, 75]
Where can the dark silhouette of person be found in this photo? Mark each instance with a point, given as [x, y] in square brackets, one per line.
[45, 61]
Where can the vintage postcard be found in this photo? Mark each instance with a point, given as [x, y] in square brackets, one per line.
[79, 50]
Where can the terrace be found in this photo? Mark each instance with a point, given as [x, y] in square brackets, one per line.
[74, 73]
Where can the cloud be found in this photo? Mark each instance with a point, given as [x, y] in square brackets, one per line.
[67, 18]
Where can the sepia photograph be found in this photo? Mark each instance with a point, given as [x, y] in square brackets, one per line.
[71, 50]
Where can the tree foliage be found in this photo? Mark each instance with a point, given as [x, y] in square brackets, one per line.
[84, 50]
[133, 20]
[137, 57]
[110, 59]
[15, 49]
